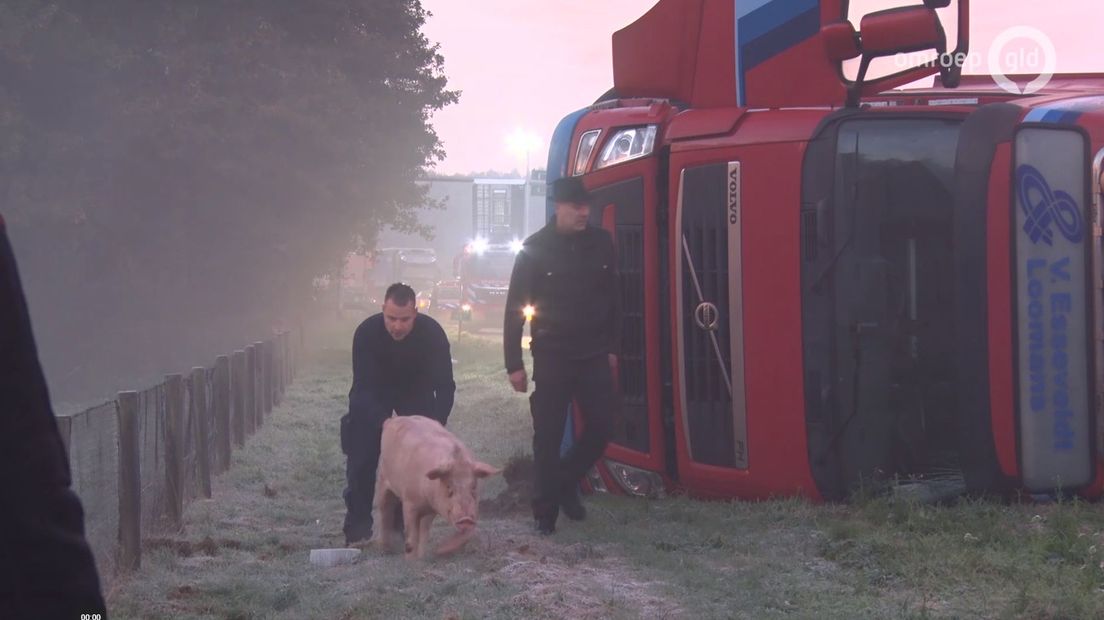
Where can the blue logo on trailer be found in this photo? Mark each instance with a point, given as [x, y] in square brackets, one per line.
[1054, 357]
[1043, 207]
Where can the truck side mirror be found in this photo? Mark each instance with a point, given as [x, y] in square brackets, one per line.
[901, 30]
[841, 42]
[898, 31]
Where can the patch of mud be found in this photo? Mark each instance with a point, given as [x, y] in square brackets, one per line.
[184, 548]
[580, 580]
[516, 498]
[187, 548]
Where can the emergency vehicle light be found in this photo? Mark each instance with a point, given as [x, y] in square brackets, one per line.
[586, 147]
[478, 245]
[627, 144]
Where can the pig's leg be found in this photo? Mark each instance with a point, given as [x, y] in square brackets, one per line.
[423, 525]
[386, 503]
[378, 500]
[413, 532]
[458, 539]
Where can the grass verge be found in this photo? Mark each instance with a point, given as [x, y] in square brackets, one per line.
[244, 554]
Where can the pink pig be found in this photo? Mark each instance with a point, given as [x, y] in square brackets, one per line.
[431, 473]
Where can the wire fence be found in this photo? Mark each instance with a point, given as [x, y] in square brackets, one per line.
[137, 461]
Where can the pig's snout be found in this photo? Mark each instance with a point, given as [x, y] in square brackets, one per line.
[465, 522]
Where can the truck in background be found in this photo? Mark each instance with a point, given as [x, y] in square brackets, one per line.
[355, 290]
[483, 272]
[366, 276]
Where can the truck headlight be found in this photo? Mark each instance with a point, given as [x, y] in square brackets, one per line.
[627, 144]
[636, 481]
[586, 147]
[596, 481]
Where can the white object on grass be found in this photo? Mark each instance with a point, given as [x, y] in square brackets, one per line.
[333, 557]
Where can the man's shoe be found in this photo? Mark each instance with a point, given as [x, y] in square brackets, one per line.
[358, 542]
[358, 536]
[362, 544]
[545, 526]
[572, 504]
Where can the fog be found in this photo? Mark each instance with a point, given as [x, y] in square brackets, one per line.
[176, 175]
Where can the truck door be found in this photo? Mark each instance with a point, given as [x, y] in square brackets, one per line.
[619, 153]
[626, 208]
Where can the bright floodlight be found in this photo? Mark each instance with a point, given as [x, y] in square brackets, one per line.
[479, 245]
[522, 141]
[516, 246]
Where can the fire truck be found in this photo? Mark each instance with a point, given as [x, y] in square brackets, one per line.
[830, 281]
[483, 271]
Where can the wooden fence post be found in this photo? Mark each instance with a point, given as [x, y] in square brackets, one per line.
[130, 483]
[250, 389]
[301, 350]
[286, 353]
[239, 388]
[65, 426]
[174, 448]
[278, 372]
[203, 429]
[222, 413]
[292, 355]
[264, 364]
[274, 369]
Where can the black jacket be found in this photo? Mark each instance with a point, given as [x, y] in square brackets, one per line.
[412, 375]
[46, 566]
[571, 280]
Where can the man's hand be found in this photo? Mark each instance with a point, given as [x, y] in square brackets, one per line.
[519, 380]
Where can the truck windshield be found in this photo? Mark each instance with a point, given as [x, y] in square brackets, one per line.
[490, 266]
[877, 304]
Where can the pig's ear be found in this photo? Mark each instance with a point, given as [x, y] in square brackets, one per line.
[482, 470]
[440, 471]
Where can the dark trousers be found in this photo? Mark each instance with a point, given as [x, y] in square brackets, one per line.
[360, 441]
[558, 382]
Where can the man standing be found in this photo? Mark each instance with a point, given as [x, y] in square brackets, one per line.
[401, 363]
[565, 277]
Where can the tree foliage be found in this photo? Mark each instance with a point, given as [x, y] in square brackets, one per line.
[168, 162]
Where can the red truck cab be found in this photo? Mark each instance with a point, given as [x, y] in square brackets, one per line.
[830, 284]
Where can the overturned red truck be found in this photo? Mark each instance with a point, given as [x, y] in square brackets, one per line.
[827, 281]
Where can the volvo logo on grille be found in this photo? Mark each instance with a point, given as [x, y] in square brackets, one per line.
[707, 316]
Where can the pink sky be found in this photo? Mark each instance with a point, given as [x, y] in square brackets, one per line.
[524, 64]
